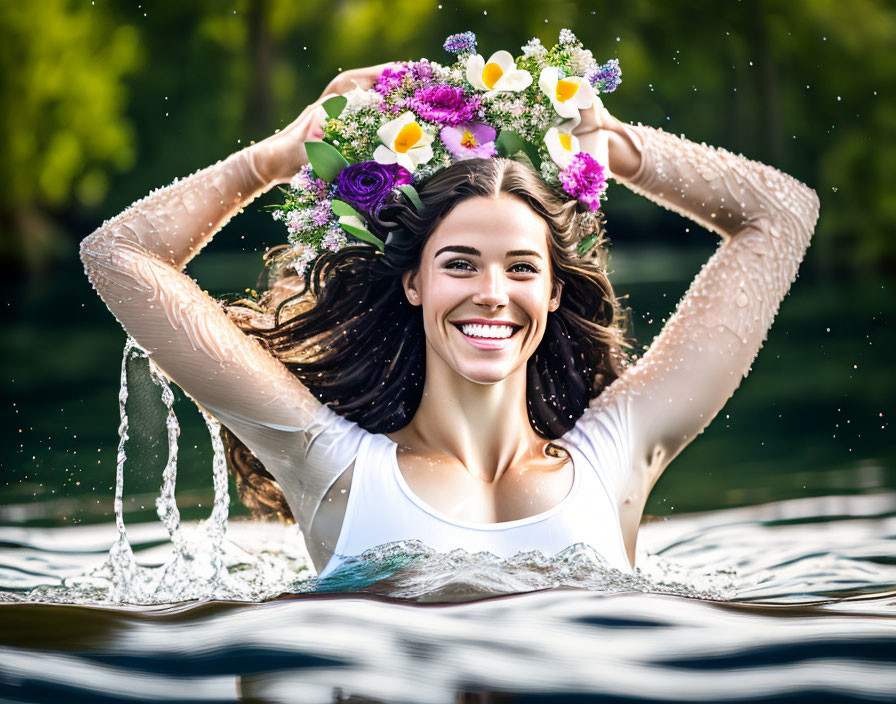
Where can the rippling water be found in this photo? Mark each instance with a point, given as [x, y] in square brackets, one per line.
[789, 601]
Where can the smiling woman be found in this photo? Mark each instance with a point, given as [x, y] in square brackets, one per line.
[405, 344]
[469, 384]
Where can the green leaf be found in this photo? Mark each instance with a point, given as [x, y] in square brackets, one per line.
[363, 234]
[509, 144]
[326, 161]
[587, 244]
[411, 193]
[340, 207]
[335, 105]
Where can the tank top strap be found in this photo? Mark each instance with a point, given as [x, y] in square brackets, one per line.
[373, 477]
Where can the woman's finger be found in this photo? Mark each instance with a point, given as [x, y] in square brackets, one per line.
[363, 78]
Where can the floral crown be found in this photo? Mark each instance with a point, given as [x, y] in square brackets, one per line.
[421, 117]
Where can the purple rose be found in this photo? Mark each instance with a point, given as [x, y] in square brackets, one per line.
[445, 105]
[475, 140]
[585, 179]
[365, 184]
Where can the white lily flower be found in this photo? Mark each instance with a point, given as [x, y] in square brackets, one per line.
[561, 147]
[567, 95]
[499, 73]
[404, 142]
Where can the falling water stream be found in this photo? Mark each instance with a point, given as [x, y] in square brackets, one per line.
[196, 567]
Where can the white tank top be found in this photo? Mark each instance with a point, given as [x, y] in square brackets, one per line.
[381, 508]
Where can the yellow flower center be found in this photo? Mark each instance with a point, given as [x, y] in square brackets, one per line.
[468, 140]
[566, 89]
[409, 135]
[490, 75]
[566, 141]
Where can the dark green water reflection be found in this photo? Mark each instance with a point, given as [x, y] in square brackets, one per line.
[812, 418]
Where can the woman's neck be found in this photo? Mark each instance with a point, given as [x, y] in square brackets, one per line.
[484, 426]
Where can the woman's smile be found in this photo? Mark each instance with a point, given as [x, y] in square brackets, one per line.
[488, 336]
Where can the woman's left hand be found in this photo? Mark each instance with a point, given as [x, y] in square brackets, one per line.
[595, 118]
[281, 155]
[621, 154]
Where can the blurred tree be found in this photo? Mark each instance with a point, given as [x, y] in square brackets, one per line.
[91, 90]
[63, 117]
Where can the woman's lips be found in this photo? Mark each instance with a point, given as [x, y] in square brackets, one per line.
[487, 343]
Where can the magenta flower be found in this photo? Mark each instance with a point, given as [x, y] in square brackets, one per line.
[475, 140]
[421, 71]
[585, 179]
[445, 105]
[390, 79]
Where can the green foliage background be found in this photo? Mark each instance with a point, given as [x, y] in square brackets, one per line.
[102, 101]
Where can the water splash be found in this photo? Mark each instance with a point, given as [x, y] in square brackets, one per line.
[121, 561]
[196, 566]
[166, 502]
[216, 525]
[412, 570]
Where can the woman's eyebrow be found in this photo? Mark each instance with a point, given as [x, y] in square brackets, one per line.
[476, 253]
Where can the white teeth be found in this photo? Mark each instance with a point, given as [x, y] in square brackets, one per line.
[475, 330]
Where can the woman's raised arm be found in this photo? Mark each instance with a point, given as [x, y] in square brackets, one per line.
[765, 219]
[134, 261]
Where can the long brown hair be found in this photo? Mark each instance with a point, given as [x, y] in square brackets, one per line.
[348, 333]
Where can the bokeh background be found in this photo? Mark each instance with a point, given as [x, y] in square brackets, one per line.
[100, 102]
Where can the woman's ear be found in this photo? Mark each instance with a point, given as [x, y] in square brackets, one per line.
[409, 282]
[556, 292]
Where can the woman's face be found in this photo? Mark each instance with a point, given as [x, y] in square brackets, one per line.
[486, 262]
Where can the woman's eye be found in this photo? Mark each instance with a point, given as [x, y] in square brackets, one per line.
[526, 268]
[462, 265]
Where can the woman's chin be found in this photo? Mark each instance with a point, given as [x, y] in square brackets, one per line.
[485, 373]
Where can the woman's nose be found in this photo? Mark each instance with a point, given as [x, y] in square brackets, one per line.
[492, 289]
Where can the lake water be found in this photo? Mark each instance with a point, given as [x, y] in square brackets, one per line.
[766, 566]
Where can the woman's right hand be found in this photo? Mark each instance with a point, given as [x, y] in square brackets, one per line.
[280, 156]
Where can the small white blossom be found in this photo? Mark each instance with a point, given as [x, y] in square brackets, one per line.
[358, 98]
[277, 215]
[567, 37]
[299, 182]
[334, 240]
[534, 47]
[298, 219]
[581, 61]
[549, 170]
